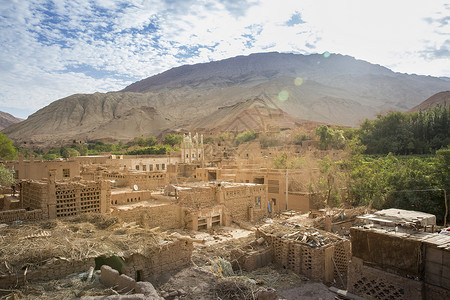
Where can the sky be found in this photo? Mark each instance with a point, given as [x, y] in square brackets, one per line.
[53, 49]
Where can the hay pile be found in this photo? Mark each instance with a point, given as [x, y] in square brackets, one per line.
[305, 235]
[28, 245]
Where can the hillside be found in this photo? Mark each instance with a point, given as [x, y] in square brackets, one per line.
[7, 120]
[338, 89]
[442, 98]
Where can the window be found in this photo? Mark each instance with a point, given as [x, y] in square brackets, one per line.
[16, 174]
[258, 202]
[144, 168]
[150, 167]
[157, 166]
[66, 172]
[137, 167]
[163, 166]
[274, 201]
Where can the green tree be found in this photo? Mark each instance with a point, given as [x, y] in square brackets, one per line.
[173, 139]
[6, 176]
[299, 138]
[247, 136]
[330, 138]
[7, 150]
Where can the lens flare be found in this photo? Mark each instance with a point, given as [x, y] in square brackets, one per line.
[326, 54]
[298, 81]
[283, 95]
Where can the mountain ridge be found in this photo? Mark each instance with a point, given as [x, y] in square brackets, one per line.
[7, 119]
[338, 89]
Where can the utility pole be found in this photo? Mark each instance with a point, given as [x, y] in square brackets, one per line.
[287, 186]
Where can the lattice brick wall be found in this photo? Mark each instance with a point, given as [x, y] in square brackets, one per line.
[342, 255]
[378, 288]
[66, 202]
[90, 199]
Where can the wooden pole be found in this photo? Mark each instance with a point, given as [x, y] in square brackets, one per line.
[446, 208]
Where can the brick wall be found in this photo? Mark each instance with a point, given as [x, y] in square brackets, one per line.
[374, 283]
[313, 262]
[53, 269]
[20, 214]
[171, 257]
[166, 216]
[239, 199]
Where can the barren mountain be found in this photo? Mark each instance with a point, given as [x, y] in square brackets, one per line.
[338, 89]
[442, 98]
[7, 120]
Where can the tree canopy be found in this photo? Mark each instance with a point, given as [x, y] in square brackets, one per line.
[7, 150]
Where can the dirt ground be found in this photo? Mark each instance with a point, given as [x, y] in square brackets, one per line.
[201, 281]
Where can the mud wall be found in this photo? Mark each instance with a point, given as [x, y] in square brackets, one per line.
[130, 197]
[53, 269]
[165, 216]
[388, 252]
[374, 283]
[20, 214]
[171, 257]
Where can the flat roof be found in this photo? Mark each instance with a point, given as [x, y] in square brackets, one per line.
[394, 216]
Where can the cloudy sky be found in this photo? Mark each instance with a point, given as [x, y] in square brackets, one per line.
[52, 49]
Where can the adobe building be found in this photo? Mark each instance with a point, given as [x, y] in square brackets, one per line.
[395, 255]
[192, 149]
[314, 253]
[67, 248]
[50, 199]
[133, 162]
[281, 193]
[198, 206]
[37, 170]
[219, 203]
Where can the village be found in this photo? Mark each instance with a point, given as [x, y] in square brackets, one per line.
[206, 222]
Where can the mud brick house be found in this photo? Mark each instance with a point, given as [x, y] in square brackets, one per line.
[281, 195]
[33, 169]
[314, 253]
[219, 203]
[394, 256]
[33, 254]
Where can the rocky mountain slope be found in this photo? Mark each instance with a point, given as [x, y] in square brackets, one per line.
[7, 120]
[442, 98]
[338, 89]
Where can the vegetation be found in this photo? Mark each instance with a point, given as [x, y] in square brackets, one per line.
[421, 132]
[7, 150]
[173, 139]
[247, 136]
[406, 182]
[145, 141]
[158, 149]
[288, 162]
[330, 138]
[299, 138]
[6, 176]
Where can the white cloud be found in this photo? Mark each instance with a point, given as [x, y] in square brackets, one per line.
[42, 41]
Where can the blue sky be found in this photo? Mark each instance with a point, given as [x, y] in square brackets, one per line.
[53, 49]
